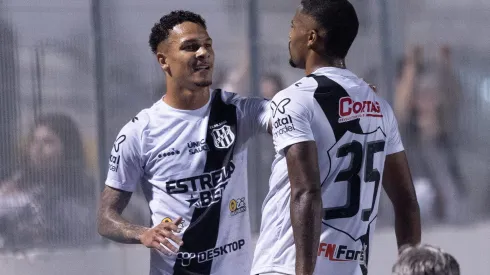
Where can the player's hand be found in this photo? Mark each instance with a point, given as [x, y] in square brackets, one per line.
[374, 88]
[158, 237]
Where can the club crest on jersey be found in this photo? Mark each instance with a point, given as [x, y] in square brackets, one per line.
[350, 109]
[223, 137]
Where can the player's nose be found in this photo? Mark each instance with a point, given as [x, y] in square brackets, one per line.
[202, 52]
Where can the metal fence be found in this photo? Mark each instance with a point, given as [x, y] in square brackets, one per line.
[74, 72]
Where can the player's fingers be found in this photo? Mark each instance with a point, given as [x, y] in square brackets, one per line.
[373, 87]
[175, 238]
[166, 244]
[156, 245]
[169, 235]
[178, 221]
[169, 227]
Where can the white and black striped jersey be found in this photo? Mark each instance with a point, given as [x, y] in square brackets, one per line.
[193, 164]
[354, 129]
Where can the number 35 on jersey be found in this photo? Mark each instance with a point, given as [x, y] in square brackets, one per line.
[353, 191]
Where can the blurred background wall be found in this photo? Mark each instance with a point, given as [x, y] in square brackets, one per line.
[74, 72]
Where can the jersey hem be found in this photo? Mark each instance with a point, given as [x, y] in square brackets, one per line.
[118, 185]
[395, 150]
[273, 268]
[294, 141]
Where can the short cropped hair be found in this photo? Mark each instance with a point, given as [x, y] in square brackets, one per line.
[161, 29]
[425, 260]
[339, 19]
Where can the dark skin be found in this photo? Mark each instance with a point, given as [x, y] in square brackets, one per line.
[397, 182]
[187, 58]
[307, 51]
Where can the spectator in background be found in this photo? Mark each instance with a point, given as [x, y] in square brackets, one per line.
[425, 260]
[49, 201]
[271, 84]
[425, 104]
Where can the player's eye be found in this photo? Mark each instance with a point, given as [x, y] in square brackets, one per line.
[191, 47]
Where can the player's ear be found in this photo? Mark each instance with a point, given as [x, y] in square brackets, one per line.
[313, 39]
[162, 60]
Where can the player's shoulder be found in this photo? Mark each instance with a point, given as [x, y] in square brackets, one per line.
[228, 97]
[301, 91]
[138, 124]
[245, 105]
[236, 99]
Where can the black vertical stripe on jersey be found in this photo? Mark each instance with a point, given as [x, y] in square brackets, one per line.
[328, 94]
[365, 244]
[202, 233]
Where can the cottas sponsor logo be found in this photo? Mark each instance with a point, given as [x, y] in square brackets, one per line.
[350, 109]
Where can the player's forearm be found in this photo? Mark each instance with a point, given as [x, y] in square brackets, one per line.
[114, 227]
[306, 209]
[407, 224]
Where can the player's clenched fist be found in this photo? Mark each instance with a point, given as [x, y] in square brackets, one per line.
[158, 236]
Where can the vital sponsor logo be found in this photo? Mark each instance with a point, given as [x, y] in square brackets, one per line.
[341, 253]
[118, 142]
[208, 255]
[223, 137]
[350, 109]
[115, 158]
[283, 125]
[205, 189]
[114, 162]
[197, 146]
[279, 107]
[237, 206]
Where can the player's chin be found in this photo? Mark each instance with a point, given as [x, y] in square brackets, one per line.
[291, 63]
[203, 83]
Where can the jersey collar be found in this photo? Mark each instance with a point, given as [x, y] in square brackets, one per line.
[334, 70]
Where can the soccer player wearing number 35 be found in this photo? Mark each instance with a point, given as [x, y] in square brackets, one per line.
[337, 143]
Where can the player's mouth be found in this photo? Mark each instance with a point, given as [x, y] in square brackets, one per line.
[202, 67]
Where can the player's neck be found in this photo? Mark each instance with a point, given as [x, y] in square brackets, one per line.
[185, 99]
[316, 62]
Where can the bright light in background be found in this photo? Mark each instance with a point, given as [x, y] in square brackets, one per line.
[485, 90]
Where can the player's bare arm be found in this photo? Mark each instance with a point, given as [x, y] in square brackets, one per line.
[113, 226]
[306, 203]
[398, 184]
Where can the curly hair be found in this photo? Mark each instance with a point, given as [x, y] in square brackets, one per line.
[161, 29]
[339, 19]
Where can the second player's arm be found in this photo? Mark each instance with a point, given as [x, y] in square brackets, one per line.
[113, 226]
[398, 184]
[306, 203]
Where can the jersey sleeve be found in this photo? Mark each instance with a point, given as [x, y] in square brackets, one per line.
[291, 115]
[394, 142]
[258, 114]
[254, 110]
[125, 165]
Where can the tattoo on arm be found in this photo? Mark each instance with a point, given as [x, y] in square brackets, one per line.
[110, 222]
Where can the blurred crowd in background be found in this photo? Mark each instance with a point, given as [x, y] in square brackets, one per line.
[62, 101]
